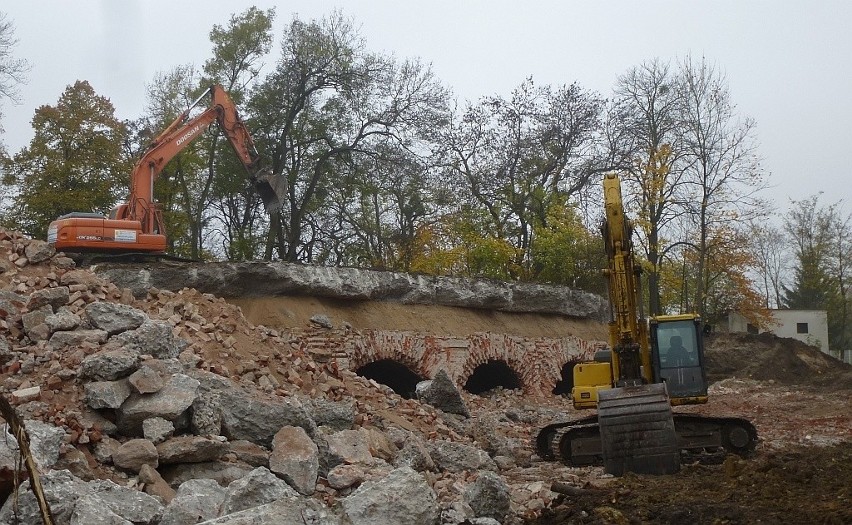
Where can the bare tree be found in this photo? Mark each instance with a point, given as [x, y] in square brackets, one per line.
[13, 70]
[646, 111]
[722, 166]
[769, 245]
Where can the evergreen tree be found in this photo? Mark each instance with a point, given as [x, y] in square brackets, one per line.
[821, 243]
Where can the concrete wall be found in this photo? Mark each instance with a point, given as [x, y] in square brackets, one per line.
[808, 326]
[736, 324]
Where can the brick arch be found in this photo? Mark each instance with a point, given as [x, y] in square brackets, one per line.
[487, 347]
[538, 362]
[492, 373]
[393, 374]
[402, 347]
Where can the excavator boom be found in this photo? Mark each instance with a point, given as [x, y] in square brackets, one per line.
[137, 225]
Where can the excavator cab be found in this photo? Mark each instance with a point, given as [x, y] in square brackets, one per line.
[677, 357]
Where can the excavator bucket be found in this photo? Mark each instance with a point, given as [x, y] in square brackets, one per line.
[637, 430]
[272, 188]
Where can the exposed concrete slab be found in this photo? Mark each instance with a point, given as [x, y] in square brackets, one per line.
[264, 279]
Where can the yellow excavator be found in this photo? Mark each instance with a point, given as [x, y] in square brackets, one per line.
[653, 363]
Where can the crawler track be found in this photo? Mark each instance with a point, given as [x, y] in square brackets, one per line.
[700, 438]
[91, 258]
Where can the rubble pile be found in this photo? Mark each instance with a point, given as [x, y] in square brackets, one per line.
[169, 407]
[172, 408]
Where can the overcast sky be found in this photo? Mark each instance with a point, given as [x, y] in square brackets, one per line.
[788, 63]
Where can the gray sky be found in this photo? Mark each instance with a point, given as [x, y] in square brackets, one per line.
[788, 63]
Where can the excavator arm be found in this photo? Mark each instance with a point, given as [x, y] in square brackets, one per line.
[177, 137]
[137, 225]
[628, 336]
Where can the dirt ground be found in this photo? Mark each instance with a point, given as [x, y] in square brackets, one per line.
[801, 471]
[794, 485]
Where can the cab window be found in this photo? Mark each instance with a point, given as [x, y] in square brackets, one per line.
[676, 344]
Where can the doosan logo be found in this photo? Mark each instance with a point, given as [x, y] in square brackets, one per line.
[186, 136]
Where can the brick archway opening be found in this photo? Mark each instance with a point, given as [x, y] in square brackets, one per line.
[392, 374]
[490, 375]
[563, 386]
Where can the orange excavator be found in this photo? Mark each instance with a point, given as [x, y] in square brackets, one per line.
[136, 227]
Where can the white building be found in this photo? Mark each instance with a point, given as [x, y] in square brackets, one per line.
[808, 326]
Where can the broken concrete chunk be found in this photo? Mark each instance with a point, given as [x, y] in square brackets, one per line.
[169, 403]
[258, 487]
[114, 318]
[147, 380]
[488, 496]
[106, 394]
[55, 297]
[154, 338]
[60, 340]
[195, 501]
[413, 501]
[135, 453]
[38, 251]
[108, 365]
[295, 457]
[442, 394]
[191, 449]
[157, 429]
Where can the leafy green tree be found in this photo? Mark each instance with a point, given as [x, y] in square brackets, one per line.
[235, 212]
[208, 206]
[75, 161]
[238, 50]
[328, 102]
[463, 244]
[565, 252]
[512, 158]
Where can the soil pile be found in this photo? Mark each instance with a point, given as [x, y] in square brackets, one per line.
[767, 357]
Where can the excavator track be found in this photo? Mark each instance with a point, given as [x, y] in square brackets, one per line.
[83, 259]
[700, 438]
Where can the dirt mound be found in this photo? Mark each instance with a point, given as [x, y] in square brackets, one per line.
[767, 357]
[294, 312]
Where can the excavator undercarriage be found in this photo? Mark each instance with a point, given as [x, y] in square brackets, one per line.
[699, 438]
